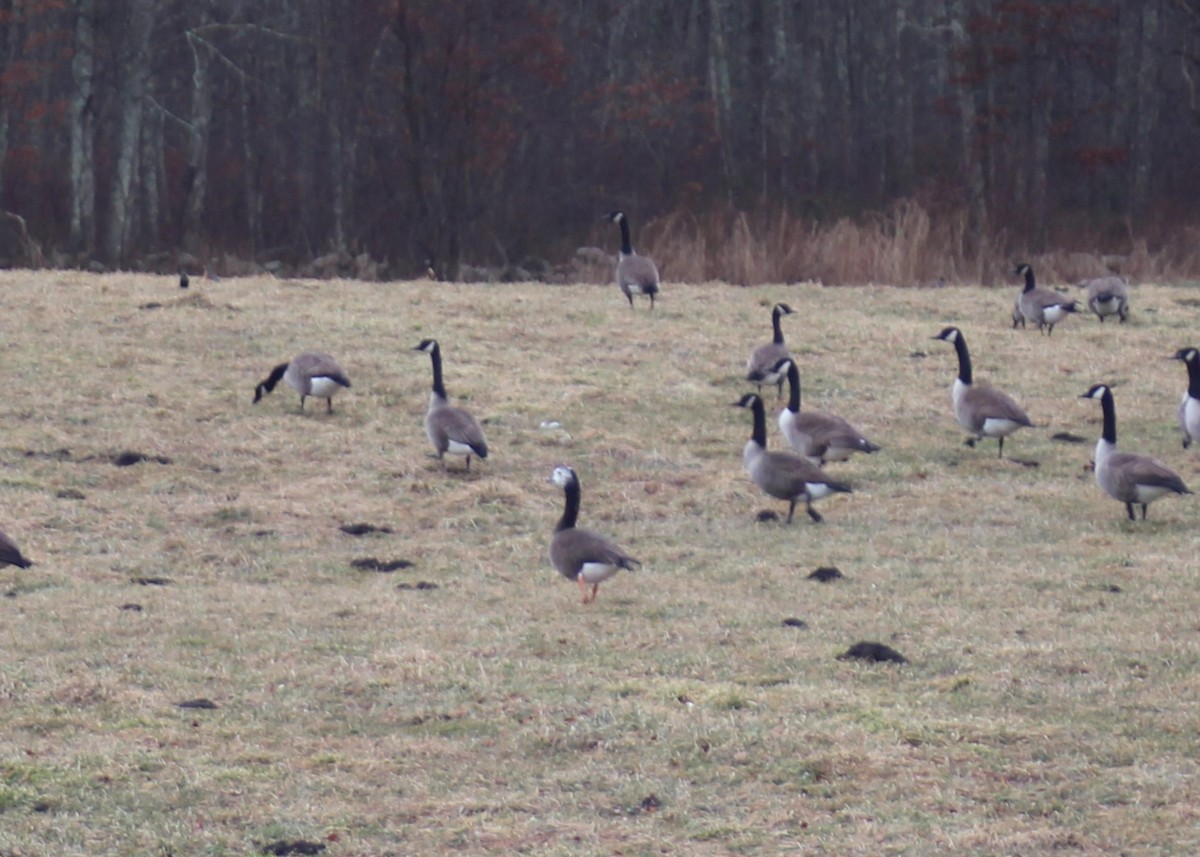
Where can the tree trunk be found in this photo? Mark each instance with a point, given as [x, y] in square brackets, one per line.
[972, 168]
[1142, 141]
[81, 119]
[196, 175]
[131, 94]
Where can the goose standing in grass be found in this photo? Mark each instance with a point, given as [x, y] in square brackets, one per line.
[1129, 478]
[981, 410]
[311, 373]
[1108, 296]
[817, 436]
[1189, 408]
[636, 275]
[760, 368]
[783, 475]
[582, 555]
[10, 554]
[449, 429]
[1042, 307]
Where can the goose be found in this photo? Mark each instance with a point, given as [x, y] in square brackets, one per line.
[763, 360]
[1041, 305]
[1127, 477]
[310, 373]
[583, 555]
[982, 410]
[1189, 407]
[817, 436]
[783, 475]
[10, 554]
[636, 275]
[449, 429]
[1108, 296]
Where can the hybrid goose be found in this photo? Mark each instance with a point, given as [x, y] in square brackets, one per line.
[311, 373]
[817, 436]
[1129, 478]
[636, 275]
[760, 368]
[1108, 296]
[981, 410]
[582, 555]
[449, 429]
[1042, 307]
[783, 475]
[1189, 407]
[10, 554]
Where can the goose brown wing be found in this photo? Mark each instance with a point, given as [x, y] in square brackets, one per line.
[993, 404]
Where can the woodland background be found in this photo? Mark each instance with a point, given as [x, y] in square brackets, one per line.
[138, 133]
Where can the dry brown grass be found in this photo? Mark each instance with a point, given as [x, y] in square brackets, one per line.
[1049, 702]
[907, 245]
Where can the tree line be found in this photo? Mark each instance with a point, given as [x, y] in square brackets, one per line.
[476, 131]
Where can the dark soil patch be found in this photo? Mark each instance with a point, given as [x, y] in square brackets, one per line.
[369, 563]
[363, 529]
[203, 703]
[826, 573]
[876, 652]
[129, 457]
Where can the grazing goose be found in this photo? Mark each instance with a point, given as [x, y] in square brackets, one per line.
[1125, 476]
[1108, 296]
[760, 368]
[983, 411]
[636, 275]
[10, 554]
[1041, 306]
[311, 373]
[818, 437]
[582, 555]
[1189, 408]
[781, 474]
[449, 429]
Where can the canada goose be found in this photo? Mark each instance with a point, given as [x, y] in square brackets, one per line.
[636, 275]
[10, 554]
[983, 411]
[449, 429]
[1189, 407]
[760, 368]
[1041, 306]
[582, 555]
[1127, 477]
[818, 437]
[311, 373]
[781, 474]
[1108, 296]
[1018, 317]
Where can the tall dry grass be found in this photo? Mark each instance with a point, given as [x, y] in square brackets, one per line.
[907, 245]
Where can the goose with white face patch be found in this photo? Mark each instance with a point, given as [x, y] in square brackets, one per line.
[1108, 296]
[1189, 408]
[1041, 306]
[636, 275]
[783, 475]
[310, 373]
[819, 437]
[582, 555]
[1125, 476]
[10, 554]
[450, 429]
[981, 410]
[760, 368]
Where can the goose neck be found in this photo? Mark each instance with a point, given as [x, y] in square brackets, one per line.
[793, 376]
[776, 314]
[964, 360]
[571, 508]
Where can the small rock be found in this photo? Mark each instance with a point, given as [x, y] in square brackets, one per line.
[826, 573]
[876, 652]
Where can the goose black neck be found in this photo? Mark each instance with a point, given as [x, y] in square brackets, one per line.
[1029, 283]
[776, 314]
[759, 435]
[794, 388]
[1110, 417]
[626, 242]
[1193, 367]
[571, 511]
[964, 359]
[435, 357]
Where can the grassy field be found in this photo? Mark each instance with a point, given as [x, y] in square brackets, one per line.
[470, 703]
